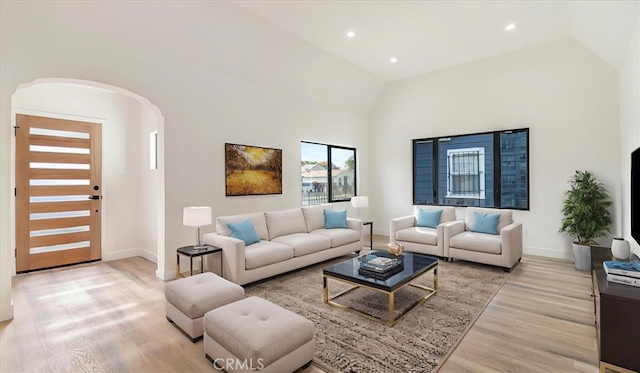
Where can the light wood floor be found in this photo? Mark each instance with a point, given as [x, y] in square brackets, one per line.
[109, 317]
[100, 317]
[541, 320]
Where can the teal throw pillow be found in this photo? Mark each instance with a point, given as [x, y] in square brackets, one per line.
[335, 219]
[485, 223]
[429, 219]
[244, 231]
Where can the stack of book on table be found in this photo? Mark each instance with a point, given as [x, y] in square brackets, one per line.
[627, 273]
[381, 267]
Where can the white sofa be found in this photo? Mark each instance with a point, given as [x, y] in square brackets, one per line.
[424, 240]
[289, 239]
[503, 249]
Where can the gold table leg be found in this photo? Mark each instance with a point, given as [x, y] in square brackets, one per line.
[391, 319]
[325, 290]
[391, 308]
[435, 278]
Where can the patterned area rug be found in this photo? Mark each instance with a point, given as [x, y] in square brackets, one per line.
[346, 342]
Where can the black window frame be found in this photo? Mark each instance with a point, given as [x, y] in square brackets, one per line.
[330, 198]
[497, 170]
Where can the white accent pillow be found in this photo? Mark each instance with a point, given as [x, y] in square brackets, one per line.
[280, 223]
[314, 216]
[257, 218]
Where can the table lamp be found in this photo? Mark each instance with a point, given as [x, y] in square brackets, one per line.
[197, 216]
[358, 202]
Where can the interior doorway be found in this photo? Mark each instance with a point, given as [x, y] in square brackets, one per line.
[132, 209]
[58, 192]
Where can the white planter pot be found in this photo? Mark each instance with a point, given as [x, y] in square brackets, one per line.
[582, 257]
[620, 248]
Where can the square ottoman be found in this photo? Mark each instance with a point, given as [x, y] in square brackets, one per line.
[188, 299]
[255, 334]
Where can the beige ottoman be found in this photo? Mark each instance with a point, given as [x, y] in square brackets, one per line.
[255, 334]
[188, 299]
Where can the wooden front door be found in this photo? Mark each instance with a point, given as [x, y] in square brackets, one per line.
[58, 192]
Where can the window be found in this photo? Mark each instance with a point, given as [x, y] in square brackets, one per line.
[484, 169]
[465, 173]
[153, 150]
[327, 173]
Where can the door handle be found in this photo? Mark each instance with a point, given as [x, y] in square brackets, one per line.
[94, 197]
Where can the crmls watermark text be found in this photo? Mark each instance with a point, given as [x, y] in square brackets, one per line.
[237, 364]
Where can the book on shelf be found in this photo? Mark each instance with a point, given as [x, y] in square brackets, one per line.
[626, 280]
[630, 269]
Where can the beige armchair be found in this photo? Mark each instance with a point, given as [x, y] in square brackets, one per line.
[502, 249]
[425, 240]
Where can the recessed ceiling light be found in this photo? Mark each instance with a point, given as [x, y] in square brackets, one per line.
[393, 60]
[351, 34]
[510, 26]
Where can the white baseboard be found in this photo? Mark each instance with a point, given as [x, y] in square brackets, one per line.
[529, 250]
[162, 275]
[551, 253]
[6, 313]
[165, 275]
[153, 258]
[122, 254]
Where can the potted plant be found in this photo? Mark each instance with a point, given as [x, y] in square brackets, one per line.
[586, 215]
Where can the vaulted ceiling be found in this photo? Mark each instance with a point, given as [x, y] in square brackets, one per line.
[426, 36]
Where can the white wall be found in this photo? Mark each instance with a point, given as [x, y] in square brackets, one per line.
[217, 73]
[629, 128]
[120, 118]
[221, 74]
[149, 182]
[604, 27]
[564, 94]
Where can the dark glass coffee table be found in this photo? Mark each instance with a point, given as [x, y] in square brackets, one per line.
[415, 265]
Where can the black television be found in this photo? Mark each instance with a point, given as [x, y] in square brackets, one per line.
[635, 195]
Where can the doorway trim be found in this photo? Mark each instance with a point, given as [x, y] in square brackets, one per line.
[160, 218]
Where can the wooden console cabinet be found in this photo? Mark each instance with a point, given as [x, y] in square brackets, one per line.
[617, 318]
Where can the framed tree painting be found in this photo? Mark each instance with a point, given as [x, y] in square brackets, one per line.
[252, 170]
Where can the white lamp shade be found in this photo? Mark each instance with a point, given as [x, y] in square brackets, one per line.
[196, 216]
[360, 201]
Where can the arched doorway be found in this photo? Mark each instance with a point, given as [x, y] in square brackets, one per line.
[132, 162]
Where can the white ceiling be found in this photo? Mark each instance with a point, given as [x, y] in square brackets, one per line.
[432, 35]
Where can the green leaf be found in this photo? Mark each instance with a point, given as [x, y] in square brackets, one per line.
[586, 209]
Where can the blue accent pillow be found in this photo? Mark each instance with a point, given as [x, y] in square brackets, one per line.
[244, 231]
[485, 223]
[429, 219]
[335, 219]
